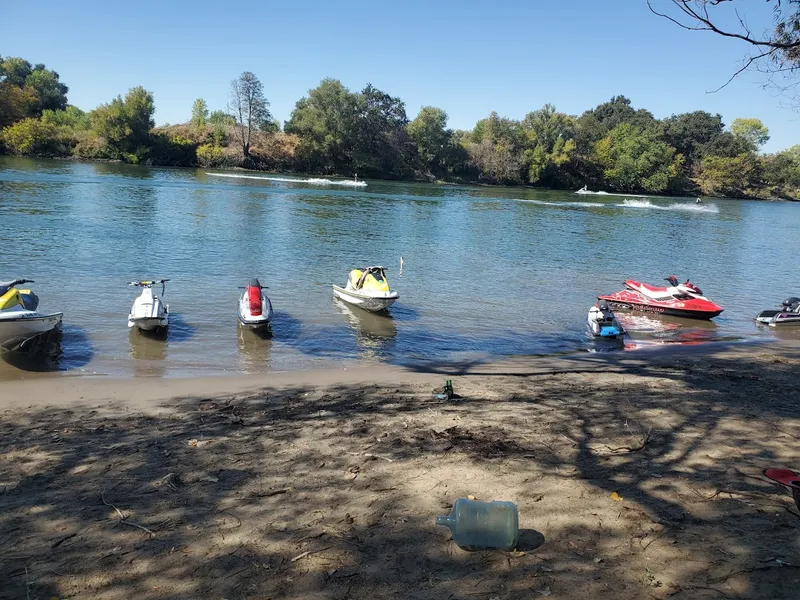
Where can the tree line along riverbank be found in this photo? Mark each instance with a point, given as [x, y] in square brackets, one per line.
[333, 130]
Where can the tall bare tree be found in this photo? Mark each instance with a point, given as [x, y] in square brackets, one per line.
[249, 106]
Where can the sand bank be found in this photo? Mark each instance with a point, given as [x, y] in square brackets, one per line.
[636, 475]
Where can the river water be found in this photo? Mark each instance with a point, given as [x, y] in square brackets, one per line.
[489, 272]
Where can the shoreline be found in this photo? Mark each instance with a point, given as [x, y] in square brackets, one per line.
[433, 181]
[64, 388]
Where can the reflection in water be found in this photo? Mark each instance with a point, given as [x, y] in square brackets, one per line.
[785, 332]
[375, 332]
[149, 351]
[255, 349]
[645, 329]
[41, 353]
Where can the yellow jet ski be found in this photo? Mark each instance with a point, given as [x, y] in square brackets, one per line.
[367, 288]
[20, 319]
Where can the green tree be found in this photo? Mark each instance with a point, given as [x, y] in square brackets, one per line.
[16, 103]
[550, 143]
[782, 169]
[431, 136]
[324, 121]
[689, 133]
[753, 131]
[125, 124]
[15, 70]
[220, 117]
[380, 142]
[199, 114]
[595, 124]
[30, 137]
[51, 92]
[727, 176]
[71, 117]
[249, 106]
[635, 159]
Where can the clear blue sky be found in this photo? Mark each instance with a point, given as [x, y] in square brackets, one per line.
[468, 57]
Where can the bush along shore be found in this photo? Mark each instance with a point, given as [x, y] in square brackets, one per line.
[333, 130]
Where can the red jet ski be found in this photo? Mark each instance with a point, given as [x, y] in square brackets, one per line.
[680, 300]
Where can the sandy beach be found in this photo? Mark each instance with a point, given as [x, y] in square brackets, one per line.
[637, 475]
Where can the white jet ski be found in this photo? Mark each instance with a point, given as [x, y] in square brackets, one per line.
[20, 318]
[149, 312]
[255, 308]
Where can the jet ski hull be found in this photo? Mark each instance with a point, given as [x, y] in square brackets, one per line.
[373, 302]
[777, 318]
[15, 329]
[148, 323]
[689, 309]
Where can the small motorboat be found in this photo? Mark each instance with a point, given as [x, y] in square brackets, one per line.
[20, 319]
[787, 314]
[255, 309]
[603, 324]
[367, 288]
[149, 312]
[680, 300]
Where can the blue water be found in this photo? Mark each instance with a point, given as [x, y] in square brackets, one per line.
[489, 272]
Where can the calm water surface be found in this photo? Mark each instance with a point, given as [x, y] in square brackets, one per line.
[488, 272]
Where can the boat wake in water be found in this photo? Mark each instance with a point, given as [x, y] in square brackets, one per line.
[309, 181]
[679, 206]
[691, 207]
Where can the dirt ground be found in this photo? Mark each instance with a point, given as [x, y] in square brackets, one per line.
[634, 478]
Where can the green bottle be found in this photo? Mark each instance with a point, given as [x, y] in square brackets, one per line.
[476, 525]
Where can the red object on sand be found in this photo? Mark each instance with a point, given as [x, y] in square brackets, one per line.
[787, 478]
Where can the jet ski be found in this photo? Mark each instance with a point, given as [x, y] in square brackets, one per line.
[149, 313]
[788, 314]
[603, 324]
[680, 300]
[367, 288]
[255, 309]
[20, 318]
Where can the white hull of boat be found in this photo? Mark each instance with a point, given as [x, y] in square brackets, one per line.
[373, 302]
[148, 323]
[18, 328]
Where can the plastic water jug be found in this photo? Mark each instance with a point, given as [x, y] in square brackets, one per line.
[477, 525]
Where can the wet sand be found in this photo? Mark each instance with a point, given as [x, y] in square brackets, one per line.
[637, 475]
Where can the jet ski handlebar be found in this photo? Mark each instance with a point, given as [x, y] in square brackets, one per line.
[143, 283]
[14, 282]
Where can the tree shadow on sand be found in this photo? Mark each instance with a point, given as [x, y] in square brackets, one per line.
[645, 483]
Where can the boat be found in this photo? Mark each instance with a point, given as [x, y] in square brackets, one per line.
[149, 312]
[787, 314]
[255, 309]
[681, 300]
[367, 288]
[20, 318]
[603, 324]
